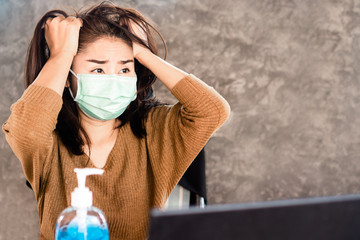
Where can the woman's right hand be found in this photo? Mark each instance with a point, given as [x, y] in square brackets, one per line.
[62, 38]
[62, 35]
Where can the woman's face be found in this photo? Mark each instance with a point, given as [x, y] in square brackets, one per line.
[104, 56]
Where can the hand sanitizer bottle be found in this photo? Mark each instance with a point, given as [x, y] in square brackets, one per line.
[82, 221]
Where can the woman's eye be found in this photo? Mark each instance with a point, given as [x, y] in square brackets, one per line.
[99, 70]
[96, 70]
[125, 70]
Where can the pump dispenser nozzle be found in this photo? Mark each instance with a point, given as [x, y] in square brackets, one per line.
[82, 196]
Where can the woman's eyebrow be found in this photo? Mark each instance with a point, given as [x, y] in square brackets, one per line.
[105, 61]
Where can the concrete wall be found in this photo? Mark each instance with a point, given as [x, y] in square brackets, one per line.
[289, 70]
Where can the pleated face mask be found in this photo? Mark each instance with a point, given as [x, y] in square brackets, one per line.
[104, 96]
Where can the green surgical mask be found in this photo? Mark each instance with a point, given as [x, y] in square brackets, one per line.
[104, 96]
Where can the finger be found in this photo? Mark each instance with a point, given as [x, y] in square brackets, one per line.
[81, 22]
[48, 21]
[59, 18]
[78, 20]
[75, 19]
[70, 19]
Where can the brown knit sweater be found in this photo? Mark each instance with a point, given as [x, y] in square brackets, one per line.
[139, 173]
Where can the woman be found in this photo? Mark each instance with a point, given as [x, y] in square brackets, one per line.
[89, 103]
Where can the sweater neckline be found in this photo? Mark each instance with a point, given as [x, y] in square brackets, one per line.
[110, 156]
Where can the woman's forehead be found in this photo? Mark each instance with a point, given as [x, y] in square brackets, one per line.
[104, 48]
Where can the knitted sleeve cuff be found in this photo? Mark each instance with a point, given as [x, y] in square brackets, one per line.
[43, 97]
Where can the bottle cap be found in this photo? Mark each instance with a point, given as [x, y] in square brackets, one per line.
[82, 196]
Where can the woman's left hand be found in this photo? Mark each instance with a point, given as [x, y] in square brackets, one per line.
[167, 73]
[140, 33]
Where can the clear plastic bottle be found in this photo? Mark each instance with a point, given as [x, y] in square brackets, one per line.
[82, 221]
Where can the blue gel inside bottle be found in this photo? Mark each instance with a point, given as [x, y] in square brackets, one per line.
[70, 227]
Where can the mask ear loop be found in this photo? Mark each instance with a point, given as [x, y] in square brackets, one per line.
[70, 87]
[73, 72]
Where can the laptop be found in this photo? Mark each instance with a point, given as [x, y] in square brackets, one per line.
[328, 218]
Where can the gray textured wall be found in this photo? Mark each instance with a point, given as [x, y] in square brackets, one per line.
[289, 70]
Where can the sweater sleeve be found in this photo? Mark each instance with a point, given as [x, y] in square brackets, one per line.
[30, 130]
[179, 132]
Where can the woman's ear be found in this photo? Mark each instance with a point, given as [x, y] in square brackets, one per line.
[67, 83]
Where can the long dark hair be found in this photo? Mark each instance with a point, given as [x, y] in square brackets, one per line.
[102, 20]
